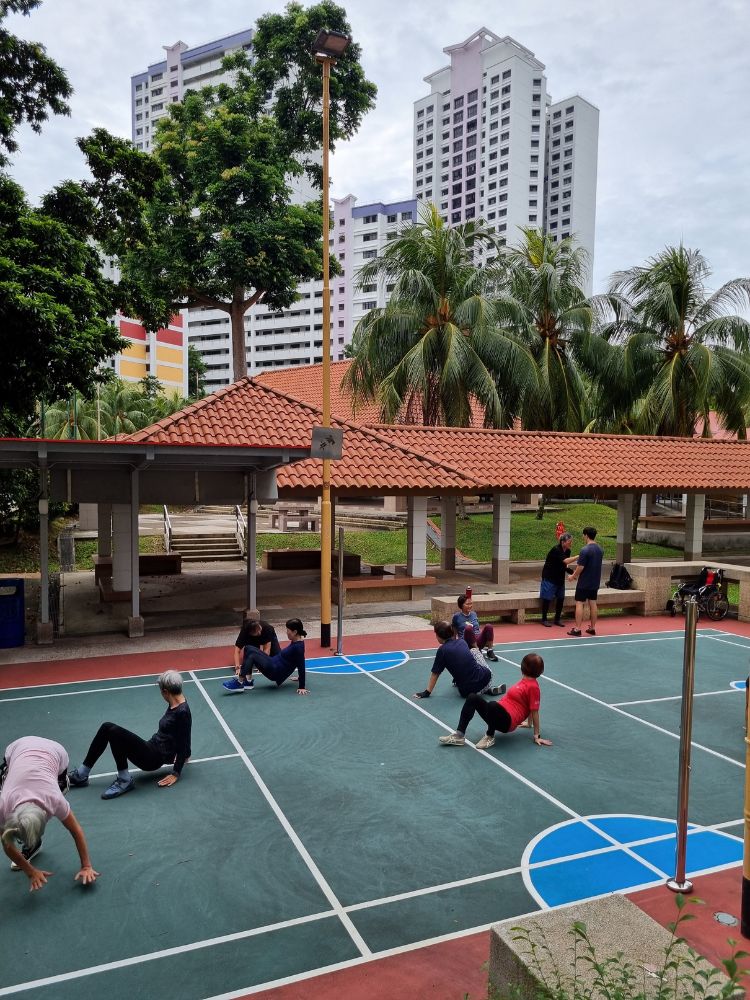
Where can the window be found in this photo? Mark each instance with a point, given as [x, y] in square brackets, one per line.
[406, 216]
[456, 203]
[457, 160]
[532, 203]
[536, 113]
[458, 146]
[505, 150]
[368, 219]
[138, 117]
[420, 169]
[533, 173]
[367, 237]
[566, 181]
[471, 154]
[556, 129]
[493, 97]
[534, 158]
[506, 74]
[159, 76]
[569, 110]
[555, 143]
[158, 92]
[557, 114]
[569, 124]
[566, 194]
[537, 81]
[369, 305]
[471, 126]
[420, 142]
[139, 102]
[505, 90]
[456, 189]
[532, 218]
[504, 122]
[533, 187]
[139, 131]
[536, 98]
[505, 106]
[157, 107]
[471, 112]
[471, 184]
[366, 255]
[471, 140]
[456, 217]
[535, 130]
[569, 137]
[392, 218]
[458, 131]
[470, 213]
[173, 83]
[458, 102]
[430, 109]
[138, 87]
[494, 80]
[420, 113]
[535, 144]
[568, 152]
[493, 126]
[568, 166]
[472, 96]
[341, 222]
[457, 175]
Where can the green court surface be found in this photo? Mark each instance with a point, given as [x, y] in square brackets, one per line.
[310, 833]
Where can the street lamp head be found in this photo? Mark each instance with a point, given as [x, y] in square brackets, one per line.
[330, 44]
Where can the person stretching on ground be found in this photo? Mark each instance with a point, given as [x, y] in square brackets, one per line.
[519, 704]
[588, 577]
[466, 624]
[35, 778]
[455, 656]
[276, 668]
[255, 634]
[170, 745]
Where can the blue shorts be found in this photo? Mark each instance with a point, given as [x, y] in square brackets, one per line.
[549, 591]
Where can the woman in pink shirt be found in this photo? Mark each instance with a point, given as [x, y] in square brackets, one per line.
[518, 705]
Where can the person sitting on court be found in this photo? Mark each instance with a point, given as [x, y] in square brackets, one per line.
[255, 634]
[169, 745]
[518, 706]
[34, 782]
[278, 668]
[455, 656]
[466, 624]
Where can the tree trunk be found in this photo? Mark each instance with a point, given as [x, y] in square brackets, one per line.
[540, 506]
[239, 357]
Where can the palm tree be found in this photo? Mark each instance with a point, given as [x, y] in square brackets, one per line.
[544, 306]
[436, 344]
[669, 352]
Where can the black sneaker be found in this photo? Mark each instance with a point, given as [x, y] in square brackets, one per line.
[491, 655]
[28, 854]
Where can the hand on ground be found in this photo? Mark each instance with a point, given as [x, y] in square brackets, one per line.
[168, 780]
[542, 743]
[87, 875]
[38, 878]
[302, 691]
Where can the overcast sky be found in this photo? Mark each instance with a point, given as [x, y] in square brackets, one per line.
[671, 80]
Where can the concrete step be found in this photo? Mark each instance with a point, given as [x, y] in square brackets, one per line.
[212, 557]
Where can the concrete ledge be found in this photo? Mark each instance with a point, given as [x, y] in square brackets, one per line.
[515, 604]
[308, 559]
[614, 925]
[366, 589]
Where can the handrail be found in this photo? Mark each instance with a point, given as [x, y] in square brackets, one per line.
[240, 529]
[167, 530]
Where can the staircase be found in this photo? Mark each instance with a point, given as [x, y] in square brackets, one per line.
[208, 535]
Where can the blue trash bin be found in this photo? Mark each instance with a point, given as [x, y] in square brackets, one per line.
[12, 613]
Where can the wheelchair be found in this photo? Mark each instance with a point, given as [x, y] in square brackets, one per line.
[707, 593]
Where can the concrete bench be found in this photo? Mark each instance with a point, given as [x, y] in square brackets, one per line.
[301, 518]
[308, 559]
[366, 589]
[513, 605]
[149, 564]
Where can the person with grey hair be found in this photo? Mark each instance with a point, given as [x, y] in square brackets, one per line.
[34, 782]
[169, 745]
[552, 587]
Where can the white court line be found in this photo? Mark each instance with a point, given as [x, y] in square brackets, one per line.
[288, 828]
[68, 694]
[517, 775]
[728, 642]
[193, 760]
[629, 715]
[673, 697]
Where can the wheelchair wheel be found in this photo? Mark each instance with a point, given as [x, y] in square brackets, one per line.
[717, 607]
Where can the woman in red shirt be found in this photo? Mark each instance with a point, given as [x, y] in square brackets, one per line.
[518, 705]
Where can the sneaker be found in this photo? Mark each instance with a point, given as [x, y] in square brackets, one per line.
[546, 623]
[559, 623]
[118, 787]
[28, 853]
[590, 631]
[485, 743]
[452, 740]
[235, 686]
[63, 782]
[491, 655]
[497, 690]
[247, 685]
[77, 780]
[574, 631]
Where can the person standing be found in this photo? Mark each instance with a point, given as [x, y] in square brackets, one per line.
[454, 655]
[588, 577]
[466, 624]
[552, 587]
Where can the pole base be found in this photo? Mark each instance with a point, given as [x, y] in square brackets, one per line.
[675, 886]
[745, 914]
[325, 635]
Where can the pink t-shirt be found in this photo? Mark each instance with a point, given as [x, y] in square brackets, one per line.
[33, 766]
[522, 699]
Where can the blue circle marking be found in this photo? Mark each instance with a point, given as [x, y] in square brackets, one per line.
[739, 685]
[357, 663]
[596, 855]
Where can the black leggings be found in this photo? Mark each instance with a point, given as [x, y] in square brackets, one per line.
[492, 712]
[125, 746]
[558, 608]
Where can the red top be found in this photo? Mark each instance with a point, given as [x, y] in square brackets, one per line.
[522, 699]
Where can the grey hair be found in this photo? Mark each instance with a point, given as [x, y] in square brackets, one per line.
[171, 682]
[565, 537]
[26, 824]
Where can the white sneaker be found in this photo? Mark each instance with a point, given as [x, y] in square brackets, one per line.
[452, 740]
[485, 743]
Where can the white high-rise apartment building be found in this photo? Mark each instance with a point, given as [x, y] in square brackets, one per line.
[480, 143]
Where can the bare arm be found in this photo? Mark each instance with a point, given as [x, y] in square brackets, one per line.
[86, 873]
[430, 687]
[534, 716]
[237, 659]
[36, 876]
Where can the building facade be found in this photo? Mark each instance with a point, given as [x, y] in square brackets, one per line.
[481, 144]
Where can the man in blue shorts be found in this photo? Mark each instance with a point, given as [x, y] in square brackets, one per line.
[469, 675]
[588, 577]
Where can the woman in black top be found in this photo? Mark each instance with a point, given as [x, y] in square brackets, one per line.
[169, 745]
[553, 578]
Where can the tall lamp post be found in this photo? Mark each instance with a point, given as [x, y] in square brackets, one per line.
[327, 47]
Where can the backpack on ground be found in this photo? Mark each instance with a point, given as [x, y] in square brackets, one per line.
[619, 578]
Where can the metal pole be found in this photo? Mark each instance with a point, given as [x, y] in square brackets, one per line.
[679, 883]
[745, 913]
[325, 504]
[340, 605]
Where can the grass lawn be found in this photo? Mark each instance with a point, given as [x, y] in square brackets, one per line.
[379, 548]
[24, 557]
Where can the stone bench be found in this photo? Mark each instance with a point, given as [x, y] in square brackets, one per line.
[513, 605]
[366, 589]
[308, 559]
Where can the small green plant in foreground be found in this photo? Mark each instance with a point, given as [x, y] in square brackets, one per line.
[590, 977]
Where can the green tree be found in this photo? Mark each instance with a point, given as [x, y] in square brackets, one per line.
[31, 84]
[55, 304]
[196, 374]
[219, 229]
[437, 343]
[669, 352]
[544, 306]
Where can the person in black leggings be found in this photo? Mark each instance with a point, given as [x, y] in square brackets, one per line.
[169, 745]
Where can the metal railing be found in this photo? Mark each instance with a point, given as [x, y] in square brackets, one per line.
[240, 530]
[167, 530]
[716, 507]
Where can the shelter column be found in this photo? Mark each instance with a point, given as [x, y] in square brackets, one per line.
[696, 506]
[135, 622]
[624, 527]
[416, 536]
[501, 538]
[448, 533]
[251, 599]
[44, 627]
[121, 547]
[104, 529]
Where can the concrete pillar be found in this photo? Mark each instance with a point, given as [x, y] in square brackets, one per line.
[501, 538]
[121, 547]
[684, 502]
[694, 511]
[647, 502]
[416, 536]
[394, 505]
[624, 527]
[104, 529]
[44, 627]
[746, 505]
[87, 516]
[135, 621]
[448, 533]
